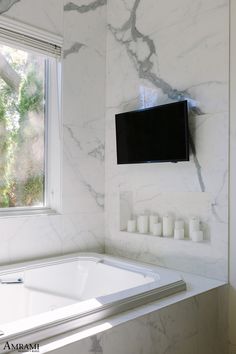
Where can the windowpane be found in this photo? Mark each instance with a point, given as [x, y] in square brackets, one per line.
[22, 128]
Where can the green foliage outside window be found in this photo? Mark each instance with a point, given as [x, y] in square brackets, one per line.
[21, 128]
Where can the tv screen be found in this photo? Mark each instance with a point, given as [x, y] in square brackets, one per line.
[157, 134]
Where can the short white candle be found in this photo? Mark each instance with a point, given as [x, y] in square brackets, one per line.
[131, 226]
[143, 224]
[197, 236]
[179, 234]
[167, 226]
[157, 229]
[153, 219]
[194, 224]
[179, 224]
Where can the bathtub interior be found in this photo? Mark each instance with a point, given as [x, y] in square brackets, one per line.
[49, 287]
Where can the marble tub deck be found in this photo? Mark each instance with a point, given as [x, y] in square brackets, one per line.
[201, 292]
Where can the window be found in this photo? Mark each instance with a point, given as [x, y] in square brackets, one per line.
[22, 128]
[29, 124]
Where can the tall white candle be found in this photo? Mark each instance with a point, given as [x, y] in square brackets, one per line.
[179, 224]
[179, 234]
[143, 224]
[153, 219]
[157, 229]
[131, 226]
[167, 226]
[197, 236]
[194, 225]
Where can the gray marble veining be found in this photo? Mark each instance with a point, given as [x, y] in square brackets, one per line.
[96, 347]
[70, 6]
[197, 164]
[72, 135]
[75, 48]
[98, 197]
[98, 152]
[144, 66]
[5, 5]
[145, 71]
[215, 204]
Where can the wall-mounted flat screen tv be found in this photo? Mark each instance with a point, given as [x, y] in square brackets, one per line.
[157, 134]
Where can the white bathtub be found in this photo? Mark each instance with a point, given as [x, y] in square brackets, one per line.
[42, 298]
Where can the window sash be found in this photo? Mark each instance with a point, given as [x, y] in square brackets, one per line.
[53, 149]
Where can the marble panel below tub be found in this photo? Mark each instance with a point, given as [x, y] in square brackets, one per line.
[193, 326]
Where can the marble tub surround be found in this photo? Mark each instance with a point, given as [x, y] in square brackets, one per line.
[159, 52]
[188, 322]
[149, 60]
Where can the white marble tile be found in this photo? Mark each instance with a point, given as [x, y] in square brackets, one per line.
[83, 231]
[83, 184]
[126, 211]
[196, 61]
[30, 237]
[84, 100]
[43, 236]
[156, 53]
[84, 86]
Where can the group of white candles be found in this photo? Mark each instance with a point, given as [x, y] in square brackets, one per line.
[166, 227]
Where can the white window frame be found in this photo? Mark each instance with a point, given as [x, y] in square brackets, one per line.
[53, 113]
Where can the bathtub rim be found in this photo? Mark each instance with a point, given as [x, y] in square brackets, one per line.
[46, 329]
[132, 265]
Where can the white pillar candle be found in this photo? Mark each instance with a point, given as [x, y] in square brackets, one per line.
[157, 229]
[179, 234]
[193, 225]
[153, 219]
[131, 226]
[197, 236]
[179, 224]
[167, 226]
[143, 224]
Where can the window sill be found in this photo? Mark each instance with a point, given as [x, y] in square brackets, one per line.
[23, 212]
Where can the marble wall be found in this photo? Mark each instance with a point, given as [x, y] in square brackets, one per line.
[158, 52]
[194, 326]
[80, 226]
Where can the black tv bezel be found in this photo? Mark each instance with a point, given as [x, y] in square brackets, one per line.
[185, 102]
